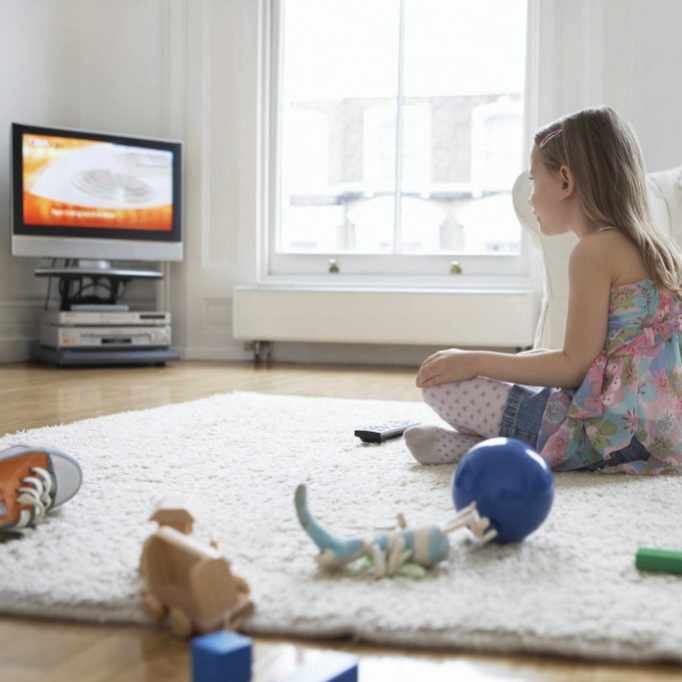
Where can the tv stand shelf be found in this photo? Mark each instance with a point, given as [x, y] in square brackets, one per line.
[97, 272]
[75, 357]
[71, 282]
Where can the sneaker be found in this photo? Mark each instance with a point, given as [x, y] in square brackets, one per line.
[33, 481]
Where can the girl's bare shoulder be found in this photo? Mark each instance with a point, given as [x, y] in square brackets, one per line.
[619, 254]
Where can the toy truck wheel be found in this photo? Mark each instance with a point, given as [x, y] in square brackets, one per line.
[180, 624]
[153, 607]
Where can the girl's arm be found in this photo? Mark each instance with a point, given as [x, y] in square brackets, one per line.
[543, 368]
[586, 327]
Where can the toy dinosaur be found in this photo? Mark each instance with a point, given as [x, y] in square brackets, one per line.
[391, 552]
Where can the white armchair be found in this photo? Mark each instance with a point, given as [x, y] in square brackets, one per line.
[665, 202]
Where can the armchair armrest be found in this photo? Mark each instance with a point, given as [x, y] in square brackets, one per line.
[534, 350]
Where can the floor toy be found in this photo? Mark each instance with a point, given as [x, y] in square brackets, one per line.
[659, 560]
[509, 483]
[221, 657]
[390, 553]
[190, 584]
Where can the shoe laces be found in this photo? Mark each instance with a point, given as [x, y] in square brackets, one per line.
[34, 493]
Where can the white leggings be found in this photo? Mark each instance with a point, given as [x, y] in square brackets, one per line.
[474, 408]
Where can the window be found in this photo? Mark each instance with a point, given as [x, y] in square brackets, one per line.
[398, 128]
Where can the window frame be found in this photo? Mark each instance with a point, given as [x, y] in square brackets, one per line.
[480, 270]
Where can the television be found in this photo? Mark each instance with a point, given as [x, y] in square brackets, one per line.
[87, 195]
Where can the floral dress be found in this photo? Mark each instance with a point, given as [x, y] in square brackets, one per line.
[631, 394]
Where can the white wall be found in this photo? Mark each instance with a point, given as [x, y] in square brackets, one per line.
[191, 70]
[624, 53]
[643, 72]
[34, 75]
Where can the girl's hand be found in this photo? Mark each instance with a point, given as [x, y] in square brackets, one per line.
[447, 366]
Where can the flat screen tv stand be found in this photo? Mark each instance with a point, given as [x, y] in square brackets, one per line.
[98, 330]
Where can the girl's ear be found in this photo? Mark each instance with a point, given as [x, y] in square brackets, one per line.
[567, 181]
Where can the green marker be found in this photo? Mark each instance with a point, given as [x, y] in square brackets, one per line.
[661, 560]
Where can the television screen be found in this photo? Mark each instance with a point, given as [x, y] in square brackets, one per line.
[77, 184]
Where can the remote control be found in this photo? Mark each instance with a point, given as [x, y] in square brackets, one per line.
[378, 433]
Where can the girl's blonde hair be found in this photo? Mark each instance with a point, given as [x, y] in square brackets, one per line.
[603, 153]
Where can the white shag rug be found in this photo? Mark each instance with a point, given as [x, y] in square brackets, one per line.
[570, 588]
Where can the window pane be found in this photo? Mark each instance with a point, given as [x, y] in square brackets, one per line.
[462, 124]
[461, 117]
[339, 117]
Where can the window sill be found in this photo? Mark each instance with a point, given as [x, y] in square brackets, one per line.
[412, 283]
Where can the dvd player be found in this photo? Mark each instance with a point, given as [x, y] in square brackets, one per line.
[104, 337]
[134, 336]
[83, 318]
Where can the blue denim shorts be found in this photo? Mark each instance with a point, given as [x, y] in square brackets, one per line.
[523, 412]
[522, 418]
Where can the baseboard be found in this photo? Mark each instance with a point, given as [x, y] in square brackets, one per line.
[17, 350]
[14, 350]
[325, 353]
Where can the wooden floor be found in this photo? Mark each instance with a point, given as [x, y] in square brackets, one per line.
[34, 650]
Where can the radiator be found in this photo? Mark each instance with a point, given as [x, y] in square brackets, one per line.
[411, 317]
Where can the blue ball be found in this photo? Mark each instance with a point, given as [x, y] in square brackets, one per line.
[510, 483]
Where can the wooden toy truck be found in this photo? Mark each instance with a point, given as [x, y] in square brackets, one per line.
[191, 584]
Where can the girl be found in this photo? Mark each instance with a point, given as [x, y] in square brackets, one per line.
[611, 399]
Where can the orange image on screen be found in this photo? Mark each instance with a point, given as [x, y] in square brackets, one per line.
[87, 183]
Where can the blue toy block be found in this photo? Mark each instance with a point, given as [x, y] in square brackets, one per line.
[332, 667]
[221, 656]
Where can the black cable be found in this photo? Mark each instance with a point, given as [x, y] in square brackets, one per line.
[49, 285]
[93, 285]
[62, 289]
[95, 282]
